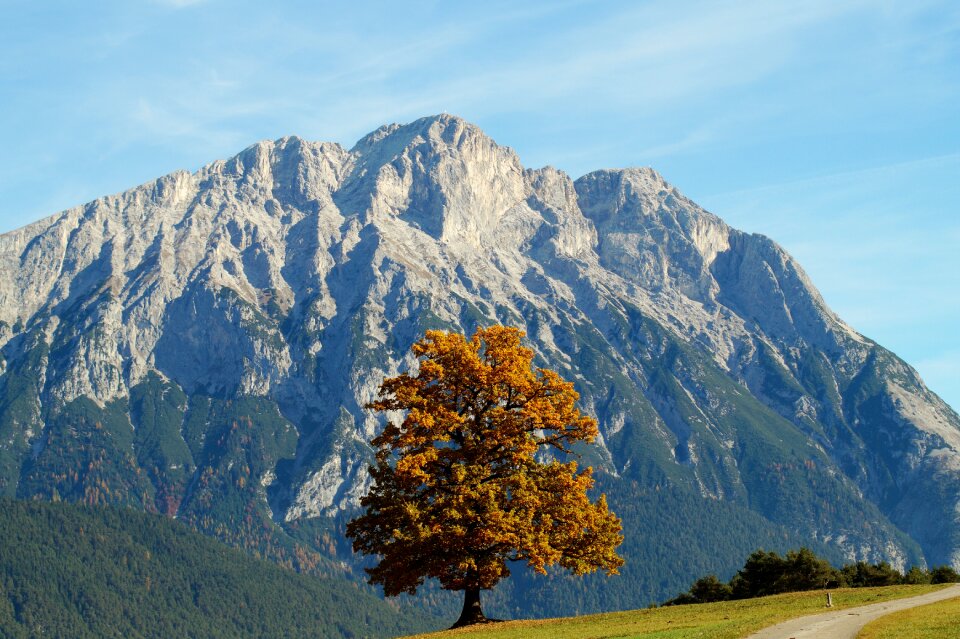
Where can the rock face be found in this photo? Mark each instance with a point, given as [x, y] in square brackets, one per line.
[203, 345]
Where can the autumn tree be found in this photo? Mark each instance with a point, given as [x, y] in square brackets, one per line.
[459, 488]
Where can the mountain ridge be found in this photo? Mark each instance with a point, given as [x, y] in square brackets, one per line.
[257, 302]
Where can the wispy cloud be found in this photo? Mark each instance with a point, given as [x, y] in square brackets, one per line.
[631, 58]
[614, 59]
[655, 54]
[823, 181]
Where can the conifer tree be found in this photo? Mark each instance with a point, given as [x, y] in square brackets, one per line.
[459, 489]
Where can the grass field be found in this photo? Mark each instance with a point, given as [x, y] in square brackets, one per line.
[726, 620]
[939, 620]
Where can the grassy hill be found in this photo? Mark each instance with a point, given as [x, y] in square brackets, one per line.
[726, 620]
[68, 571]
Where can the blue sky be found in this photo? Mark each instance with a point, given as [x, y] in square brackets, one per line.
[833, 127]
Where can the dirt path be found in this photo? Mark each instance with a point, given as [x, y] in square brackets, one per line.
[845, 624]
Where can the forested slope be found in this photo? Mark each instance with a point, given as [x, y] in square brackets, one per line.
[68, 571]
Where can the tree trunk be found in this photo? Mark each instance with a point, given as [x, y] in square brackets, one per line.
[472, 613]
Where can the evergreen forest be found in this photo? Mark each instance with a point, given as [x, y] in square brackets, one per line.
[90, 572]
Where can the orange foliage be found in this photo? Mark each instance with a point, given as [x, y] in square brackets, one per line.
[457, 489]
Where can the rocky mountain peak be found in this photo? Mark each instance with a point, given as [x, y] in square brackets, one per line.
[440, 175]
[443, 129]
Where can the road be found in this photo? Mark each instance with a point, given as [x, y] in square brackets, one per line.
[845, 624]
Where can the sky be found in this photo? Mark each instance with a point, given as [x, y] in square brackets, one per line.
[831, 126]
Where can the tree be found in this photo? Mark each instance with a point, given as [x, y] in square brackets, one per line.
[864, 575]
[803, 570]
[916, 576]
[759, 576]
[944, 575]
[462, 485]
[704, 590]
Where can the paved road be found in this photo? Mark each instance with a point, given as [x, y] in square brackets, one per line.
[845, 624]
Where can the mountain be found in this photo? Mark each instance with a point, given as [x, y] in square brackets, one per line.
[79, 572]
[202, 346]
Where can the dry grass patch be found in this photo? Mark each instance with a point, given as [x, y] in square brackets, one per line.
[726, 620]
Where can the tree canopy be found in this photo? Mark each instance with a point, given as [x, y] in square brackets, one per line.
[464, 483]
